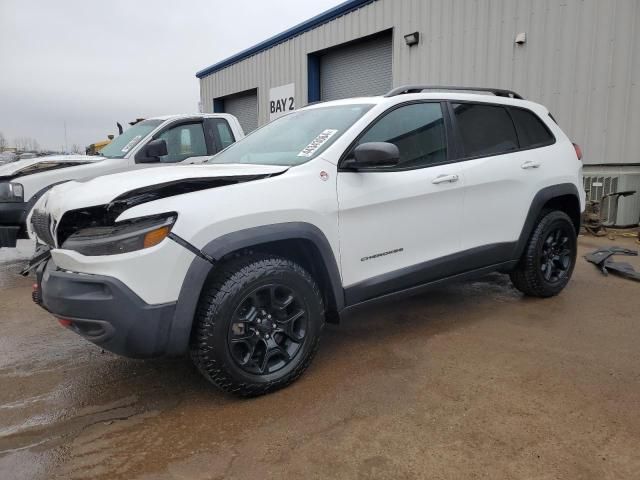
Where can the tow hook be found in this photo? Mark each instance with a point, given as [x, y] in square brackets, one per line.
[36, 295]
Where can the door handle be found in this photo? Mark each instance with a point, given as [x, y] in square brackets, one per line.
[530, 164]
[445, 179]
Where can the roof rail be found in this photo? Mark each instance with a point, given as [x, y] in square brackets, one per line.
[419, 88]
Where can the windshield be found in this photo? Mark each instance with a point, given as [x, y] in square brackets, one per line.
[295, 138]
[123, 144]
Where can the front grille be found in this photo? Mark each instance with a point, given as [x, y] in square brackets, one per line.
[41, 223]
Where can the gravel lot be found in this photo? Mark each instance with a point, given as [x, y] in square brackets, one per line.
[469, 381]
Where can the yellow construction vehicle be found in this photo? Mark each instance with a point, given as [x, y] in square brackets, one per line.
[94, 148]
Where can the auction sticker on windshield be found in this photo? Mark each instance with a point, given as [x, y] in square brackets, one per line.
[317, 142]
[131, 143]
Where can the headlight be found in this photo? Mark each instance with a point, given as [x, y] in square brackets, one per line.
[11, 192]
[127, 236]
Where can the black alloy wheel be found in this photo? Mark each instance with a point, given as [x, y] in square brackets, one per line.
[268, 329]
[258, 324]
[549, 257]
[556, 257]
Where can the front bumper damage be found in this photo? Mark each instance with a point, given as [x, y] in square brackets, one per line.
[105, 312]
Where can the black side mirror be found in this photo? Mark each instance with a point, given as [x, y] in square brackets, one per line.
[152, 151]
[373, 155]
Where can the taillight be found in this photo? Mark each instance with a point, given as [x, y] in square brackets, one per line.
[578, 151]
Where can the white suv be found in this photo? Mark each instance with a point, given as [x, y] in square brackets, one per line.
[152, 142]
[340, 204]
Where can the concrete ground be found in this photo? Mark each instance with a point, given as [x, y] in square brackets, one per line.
[469, 381]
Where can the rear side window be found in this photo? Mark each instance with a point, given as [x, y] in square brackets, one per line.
[224, 131]
[531, 131]
[218, 131]
[485, 129]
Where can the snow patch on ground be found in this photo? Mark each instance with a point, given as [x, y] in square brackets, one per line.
[24, 251]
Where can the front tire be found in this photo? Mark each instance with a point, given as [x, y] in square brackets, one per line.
[258, 325]
[549, 257]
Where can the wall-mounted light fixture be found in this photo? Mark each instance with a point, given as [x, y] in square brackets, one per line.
[412, 38]
[521, 38]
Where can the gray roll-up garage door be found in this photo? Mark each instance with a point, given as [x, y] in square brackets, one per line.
[245, 108]
[358, 69]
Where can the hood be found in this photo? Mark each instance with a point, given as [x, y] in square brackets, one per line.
[29, 166]
[108, 196]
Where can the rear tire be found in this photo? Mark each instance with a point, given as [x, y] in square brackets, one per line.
[258, 325]
[547, 263]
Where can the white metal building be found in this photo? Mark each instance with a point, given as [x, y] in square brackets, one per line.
[580, 58]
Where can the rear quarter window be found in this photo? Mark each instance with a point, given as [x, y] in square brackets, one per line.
[224, 131]
[485, 129]
[532, 132]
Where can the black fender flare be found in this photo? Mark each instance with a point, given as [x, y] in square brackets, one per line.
[537, 204]
[200, 269]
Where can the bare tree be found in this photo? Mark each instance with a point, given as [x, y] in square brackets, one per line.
[26, 144]
[76, 148]
[3, 142]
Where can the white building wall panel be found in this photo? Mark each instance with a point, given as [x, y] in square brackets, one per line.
[581, 60]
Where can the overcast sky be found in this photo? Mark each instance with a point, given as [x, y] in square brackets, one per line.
[92, 63]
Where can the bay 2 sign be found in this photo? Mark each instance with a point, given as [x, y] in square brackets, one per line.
[282, 100]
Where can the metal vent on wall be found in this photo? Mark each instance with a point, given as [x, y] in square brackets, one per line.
[624, 213]
[597, 187]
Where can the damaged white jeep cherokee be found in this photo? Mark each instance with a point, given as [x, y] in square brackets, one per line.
[240, 261]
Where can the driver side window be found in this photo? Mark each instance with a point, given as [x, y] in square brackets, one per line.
[184, 141]
[418, 132]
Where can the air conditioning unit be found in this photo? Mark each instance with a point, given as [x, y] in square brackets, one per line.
[624, 213]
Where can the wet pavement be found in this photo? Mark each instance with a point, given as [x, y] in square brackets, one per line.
[468, 381]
